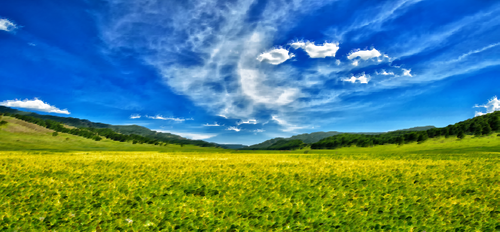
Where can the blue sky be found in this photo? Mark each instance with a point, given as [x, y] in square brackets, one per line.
[247, 71]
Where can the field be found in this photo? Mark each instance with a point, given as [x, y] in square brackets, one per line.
[150, 191]
[52, 183]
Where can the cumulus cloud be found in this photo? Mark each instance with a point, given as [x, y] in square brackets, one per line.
[317, 51]
[35, 104]
[492, 106]
[6, 25]
[406, 72]
[362, 78]
[275, 56]
[364, 54]
[385, 73]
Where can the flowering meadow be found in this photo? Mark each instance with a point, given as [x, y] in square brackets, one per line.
[148, 191]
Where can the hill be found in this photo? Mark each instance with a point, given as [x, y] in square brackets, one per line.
[477, 126]
[309, 138]
[126, 130]
[17, 134]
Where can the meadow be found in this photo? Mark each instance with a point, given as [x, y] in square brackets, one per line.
[69, 183]
[152, 191]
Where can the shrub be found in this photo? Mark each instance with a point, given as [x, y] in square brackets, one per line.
[55, 133]
[3, 122]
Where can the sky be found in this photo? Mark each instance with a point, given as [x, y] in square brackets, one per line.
[244, 71]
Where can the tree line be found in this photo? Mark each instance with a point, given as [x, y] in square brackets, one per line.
[477, 126]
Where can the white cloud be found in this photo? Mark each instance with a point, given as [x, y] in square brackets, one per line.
[159, 117]
[195, 136]
[337, 62]
[215, 124]
[251, 121]
[492, 106]
[258, 130]
[6, 25]
[233, 128]
[135, 116]
[385, 73]
[364, 54]
[317, 51]
[355, 63]
[275, 56]
[35, 104]
[406, 72]
[287, 127]
[363, 79]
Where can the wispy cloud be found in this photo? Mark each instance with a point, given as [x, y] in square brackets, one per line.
[492, 106]
[35, 104]
[215, 124]
[463, 56]
[370, 20]
[317, 51]
[159, 117]
[275, 56]
[233, 128]
[6, 25]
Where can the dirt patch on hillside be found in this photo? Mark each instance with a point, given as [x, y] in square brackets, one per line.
[20, 126]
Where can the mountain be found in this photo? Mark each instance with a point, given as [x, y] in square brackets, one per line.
[126, 130]
[314, 137]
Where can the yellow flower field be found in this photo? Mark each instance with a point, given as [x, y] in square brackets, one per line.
[149, 191]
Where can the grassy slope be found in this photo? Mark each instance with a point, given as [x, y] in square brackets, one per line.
[20, 135]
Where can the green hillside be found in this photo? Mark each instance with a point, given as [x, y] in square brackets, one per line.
[126, 130]
[478, 126]
[24, 136]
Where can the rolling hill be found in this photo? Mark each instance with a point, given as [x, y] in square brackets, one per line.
[126, 130]
[17, 134]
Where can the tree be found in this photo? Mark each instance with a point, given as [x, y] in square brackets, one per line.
[461, 134]
[478, 131]
[422, 137]
[486, 129]
[3, 122]
[494, 123]
[400, 140]
[55, 133]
